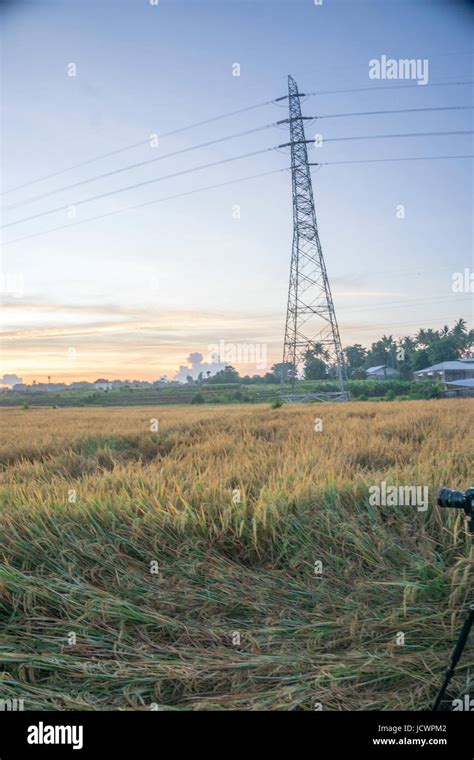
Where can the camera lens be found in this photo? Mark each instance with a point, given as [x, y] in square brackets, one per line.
[447, 498]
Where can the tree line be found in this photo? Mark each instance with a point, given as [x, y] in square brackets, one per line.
[407, 355]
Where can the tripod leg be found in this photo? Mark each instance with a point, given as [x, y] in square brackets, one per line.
[457, 652]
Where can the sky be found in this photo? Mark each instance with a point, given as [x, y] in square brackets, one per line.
[132, 294]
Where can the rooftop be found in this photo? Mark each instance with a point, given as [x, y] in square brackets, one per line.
[467, 383]
[457, 364]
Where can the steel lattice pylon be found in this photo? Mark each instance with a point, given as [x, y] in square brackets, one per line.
[311, 323]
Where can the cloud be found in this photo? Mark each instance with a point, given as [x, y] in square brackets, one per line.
[195, 359]
[10, 380]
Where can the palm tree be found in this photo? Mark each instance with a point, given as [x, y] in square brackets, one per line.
[320, 351]
[425, 338]
[390, 346]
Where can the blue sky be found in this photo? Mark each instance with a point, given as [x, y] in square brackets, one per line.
[134, 293]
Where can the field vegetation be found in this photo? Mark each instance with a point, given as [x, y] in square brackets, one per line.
[208, 557]
[219, 393]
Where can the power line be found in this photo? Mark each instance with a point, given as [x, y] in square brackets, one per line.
[401, 110]
[384, 136]
[376, 89]
[217, 118]
[218, 163]
[398, 134]
[146, 203]
[387, 87]
[139, 184]
[378, 160]
[223, 184]
[140, 164]
[137, 144]
[216, 141]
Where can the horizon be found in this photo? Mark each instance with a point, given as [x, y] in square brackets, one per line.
[195, 365]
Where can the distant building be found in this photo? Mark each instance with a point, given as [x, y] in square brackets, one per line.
[463, 388]
[447, 372]
[381, 372]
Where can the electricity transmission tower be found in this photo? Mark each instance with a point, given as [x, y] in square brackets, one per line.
[311, 325]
